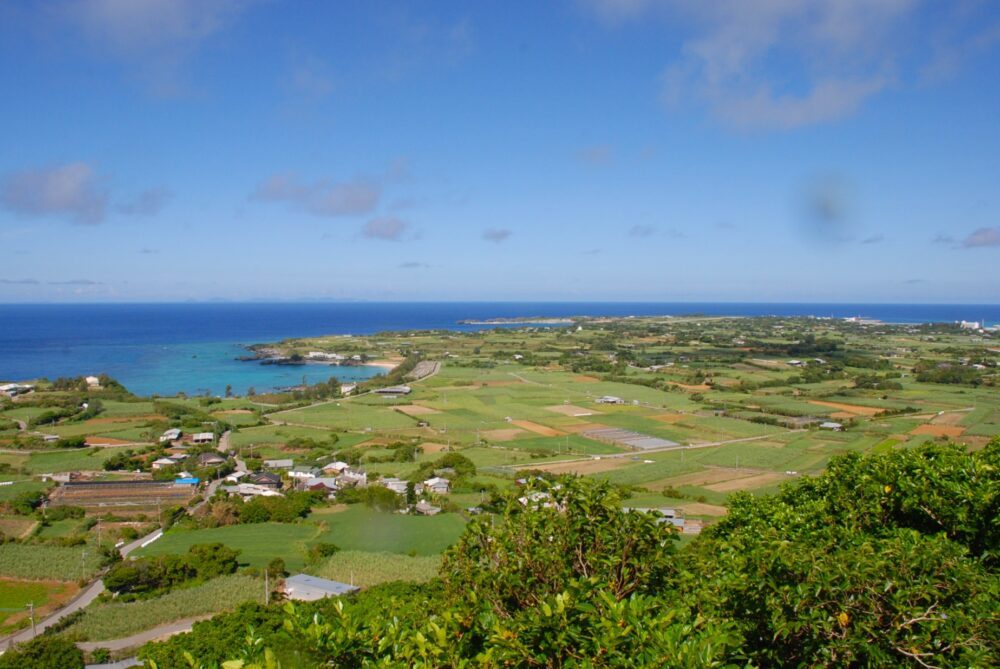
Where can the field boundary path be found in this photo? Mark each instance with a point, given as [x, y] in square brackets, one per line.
[639, 453]
[154, 634]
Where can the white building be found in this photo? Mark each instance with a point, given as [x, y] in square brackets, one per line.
[305, 588]
[609, 399]
[203, 438]
[172, 434]
[396, 485]
[437, 485]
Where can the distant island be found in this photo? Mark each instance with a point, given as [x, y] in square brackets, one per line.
[533, 320]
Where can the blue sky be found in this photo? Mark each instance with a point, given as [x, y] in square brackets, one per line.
[765, 150]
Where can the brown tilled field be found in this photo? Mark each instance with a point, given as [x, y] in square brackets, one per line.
[582, 467]
[702, 509]
[700, 388]
[571, 410]
[576, 428]
[950, 418]
[939, 430]
[748, 483]
[107, 441]
[431, 447]
[503, 434]
[538, 429]
[704, 477]
[670, 417]
[855, 409]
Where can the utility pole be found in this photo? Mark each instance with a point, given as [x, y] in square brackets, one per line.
[31, 608]
[267, 586]
[83, 563]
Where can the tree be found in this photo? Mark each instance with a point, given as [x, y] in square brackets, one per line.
[44, 652]
[565, 531]
[229, 390]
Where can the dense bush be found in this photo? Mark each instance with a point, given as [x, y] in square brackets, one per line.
[44, 652]
[153, 575]
[884, 560]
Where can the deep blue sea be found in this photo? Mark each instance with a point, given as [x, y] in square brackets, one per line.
[167, 348]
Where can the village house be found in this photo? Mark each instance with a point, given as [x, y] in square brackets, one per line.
[437, 485]
[303, 473]
[251, 490]
[162, 463]
[351, 478]
[203, 438]
[210, 460]
[396, 485]
[266, 479]
[425, 508]
[336, 467]
[172, 434]
[609, 399]
[830, 425]
[287, 463]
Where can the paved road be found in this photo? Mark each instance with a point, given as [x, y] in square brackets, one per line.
[157, 633]
[86, 596]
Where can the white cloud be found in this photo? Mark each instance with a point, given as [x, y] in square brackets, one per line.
[154, 37]
[981, 238]
[387, 229]
[774, 64]
[71, 190]
[322, 198]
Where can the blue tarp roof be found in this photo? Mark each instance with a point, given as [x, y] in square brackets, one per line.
[193, 480]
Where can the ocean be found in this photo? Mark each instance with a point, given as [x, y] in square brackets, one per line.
[168, 348]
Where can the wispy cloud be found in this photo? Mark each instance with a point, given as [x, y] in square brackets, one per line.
[322, 198]
[20, 282]
[147, 203]
[874, 239]
[71, 191]
[497, 235]
[982, 238]
[153, 38]
[387, 229]
[413, 265]
[845, 51]
[596, 155]
[944, 239]
[312, 78]
[641, 231]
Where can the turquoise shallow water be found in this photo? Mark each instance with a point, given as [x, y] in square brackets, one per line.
[207, 367]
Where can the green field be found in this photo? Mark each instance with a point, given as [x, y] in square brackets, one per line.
[15, 597]
[43, 561]
[258, 543]
[113, 620]
[362, 529]
[367, 569]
